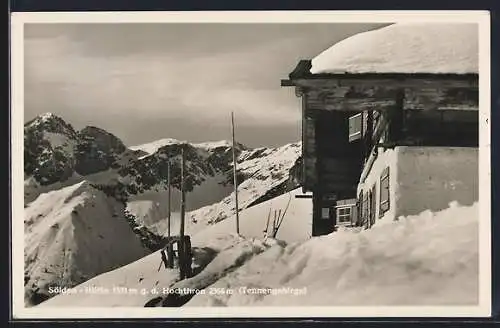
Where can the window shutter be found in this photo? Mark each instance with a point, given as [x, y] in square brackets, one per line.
[366, 209]
[325, 213]
[355, 127]
[384, 192]
[373, 205]
[360, 209]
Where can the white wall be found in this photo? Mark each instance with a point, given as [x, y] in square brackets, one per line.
[387, 158]
[432, 177]
[425, 178]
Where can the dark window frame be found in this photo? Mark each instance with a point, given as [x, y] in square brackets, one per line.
[373, 205]
[356, 121]
[346, 213]
[385, 190]
[366, 209]
[359, 205]
[323, 212]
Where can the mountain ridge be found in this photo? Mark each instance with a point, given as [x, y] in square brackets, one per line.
[59, 158]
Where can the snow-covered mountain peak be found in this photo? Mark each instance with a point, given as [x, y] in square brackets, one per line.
[212, 145]
[54, 151]
[47, 116]
[56, 199]
[152, 147]
[73, 234]
[52, 123]
[157, 146]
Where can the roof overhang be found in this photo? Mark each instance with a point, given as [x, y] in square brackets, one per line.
[301, 76]
[360, 91]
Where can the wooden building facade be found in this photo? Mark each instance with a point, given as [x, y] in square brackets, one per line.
[349, 118]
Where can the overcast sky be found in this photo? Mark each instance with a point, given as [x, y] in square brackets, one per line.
[144, 82]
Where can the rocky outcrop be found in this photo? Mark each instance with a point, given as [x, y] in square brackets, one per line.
[48, 149]
[97, 150]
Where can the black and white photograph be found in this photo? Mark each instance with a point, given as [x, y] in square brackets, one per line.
[286, 164]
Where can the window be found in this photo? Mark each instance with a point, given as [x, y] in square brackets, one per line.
[384, 192]
[355, 127]
[373, 205]
[325, 213]
[359, 205]
[366, 210]
[344, 215]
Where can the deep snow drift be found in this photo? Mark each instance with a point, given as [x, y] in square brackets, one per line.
[429, 259]
[405, 48]
[74, 234]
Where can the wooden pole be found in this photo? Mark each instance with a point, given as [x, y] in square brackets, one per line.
[169, 209]
[266, 231]
[274, 222]
[181, 243]
[235, 178]
[183, 192]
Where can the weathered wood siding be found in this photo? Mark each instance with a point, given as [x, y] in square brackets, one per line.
[429, 110]
[309, 172]
[441, 98]
[328, 95]
[441, 128]
[338, 160]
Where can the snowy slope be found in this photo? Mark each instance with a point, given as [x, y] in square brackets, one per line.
[151, 207]
[296, 224]
[73, 234]
[404, 48]
[56, 156]
[144, 273]
[152, 147]
[213, 144]
[428, 259]
[264, 169]
[32, 188]
[209, 242]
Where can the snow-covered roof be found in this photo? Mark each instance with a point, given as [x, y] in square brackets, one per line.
[448, 48]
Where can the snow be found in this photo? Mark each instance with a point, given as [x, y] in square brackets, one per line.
[73, 234]
[219, 254]
[404, 48]
[265, 168]
[213, 200]
[47, 116]
[209, 145]
[296, 224]
[151, 147]
[216, 240]
[151, 207]
[426, 259]
[137, 275]
[33, 189]
[43, 118]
